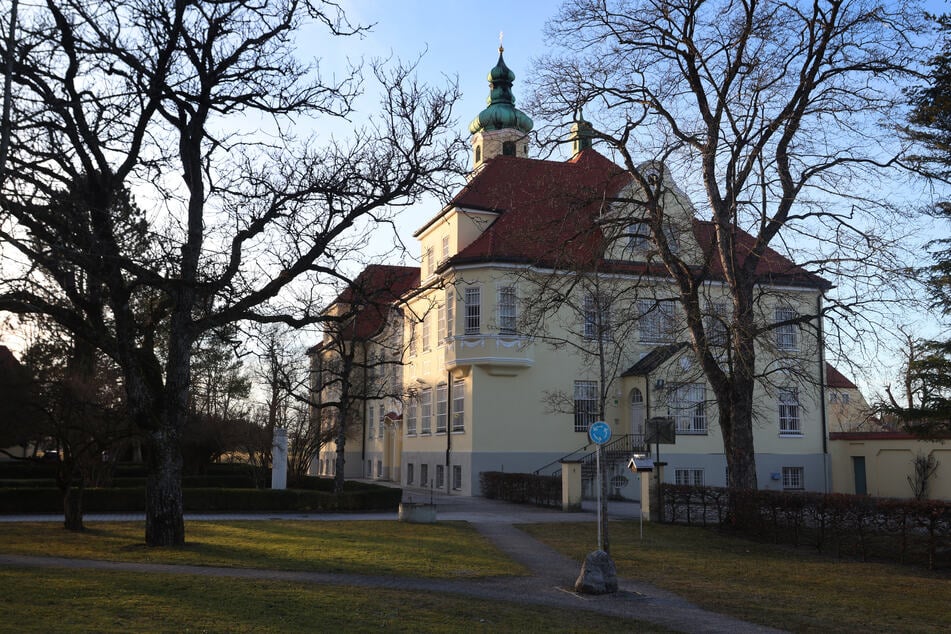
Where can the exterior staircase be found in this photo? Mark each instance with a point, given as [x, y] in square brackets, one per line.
[617, 453]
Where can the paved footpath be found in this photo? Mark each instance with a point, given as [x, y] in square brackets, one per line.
[550, 583]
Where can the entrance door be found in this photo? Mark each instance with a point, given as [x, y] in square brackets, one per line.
[637, 412]
[858, 469]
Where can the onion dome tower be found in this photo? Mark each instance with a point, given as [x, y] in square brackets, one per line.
[501, 128]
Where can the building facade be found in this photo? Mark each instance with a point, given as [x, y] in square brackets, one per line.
[540, 307]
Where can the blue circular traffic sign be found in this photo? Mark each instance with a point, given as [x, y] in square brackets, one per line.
[599, 432]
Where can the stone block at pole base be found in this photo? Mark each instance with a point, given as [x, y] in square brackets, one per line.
[598, 574]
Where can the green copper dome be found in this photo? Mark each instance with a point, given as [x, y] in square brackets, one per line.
[501, 113]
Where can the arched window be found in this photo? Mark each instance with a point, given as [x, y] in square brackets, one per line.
[478, 154]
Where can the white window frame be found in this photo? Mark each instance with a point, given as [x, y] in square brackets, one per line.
[413, 345]
[412, 413]
[638, 236]
[787, 335]
[656, 321]
[430, 265]
[585, 404]
[716, 324]
[450, 312]
[794, 478]
[440, 323]
[473, 306]
[686, 404]
[458, 405]
[427, 331]
[456, 477]
[442, 407]
[426, 411]
[790, 412]
[371, 423]
[424, 475]
[440, 476]
[596, 311]
[410, 472]
[445, 248]
[689, 476]
[507, 307]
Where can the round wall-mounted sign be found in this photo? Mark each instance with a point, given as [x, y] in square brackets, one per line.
[599, 432]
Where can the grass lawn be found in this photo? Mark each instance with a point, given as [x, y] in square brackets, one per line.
[447, 550]
[789, 588]
[40, 600]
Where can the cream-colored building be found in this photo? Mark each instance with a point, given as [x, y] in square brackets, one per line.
[882, 464]
[539, 297]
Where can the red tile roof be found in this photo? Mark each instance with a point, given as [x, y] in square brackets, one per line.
[834, 378]
[548, 213]
[371, 295]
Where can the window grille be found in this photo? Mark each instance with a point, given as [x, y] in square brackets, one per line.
[789, 422]
[686, 404]
[507, 307]
[689, 477]
[473, 310]
[456, 477]
[586, 404]
[656, 322]
[786, 334]
[793, 478]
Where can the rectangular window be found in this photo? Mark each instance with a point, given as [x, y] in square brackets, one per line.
[597, 317]
[686, 404]
[429, 264]
[381, 421]
[442, 408]
[379, 468]
[450, 311]
[656, 321]
[586, 404]
[793, 478]
[427, 331]
[369, 473]
[789, 423]
[473, 310]
[426, 409]
[638, 236]
[688, 477]
[456, 477]
[424, 475]
[445, 248]
[715, 324]
[786, 334]
[371, 423]
[441, 327]
[459, 405]
[507, 316]
[410, 473]
[412, 338]
[412, 412]
[440, 476]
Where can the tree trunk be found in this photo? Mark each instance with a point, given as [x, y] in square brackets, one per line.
[73, 507]
[340, 459]
[164, 510]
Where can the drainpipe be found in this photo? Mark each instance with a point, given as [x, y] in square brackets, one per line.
[448, 430]
[822, 397]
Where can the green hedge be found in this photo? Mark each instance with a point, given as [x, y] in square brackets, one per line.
[523, 488]
[124, 500]
[906, 531]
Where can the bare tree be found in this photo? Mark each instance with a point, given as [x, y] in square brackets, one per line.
[772, 112]
[122, 96]
[355, 362]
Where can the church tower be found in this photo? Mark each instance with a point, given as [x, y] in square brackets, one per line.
[501, 128]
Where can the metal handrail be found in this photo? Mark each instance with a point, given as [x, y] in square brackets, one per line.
[628, 443]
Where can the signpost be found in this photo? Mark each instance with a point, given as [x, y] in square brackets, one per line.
[599, 432]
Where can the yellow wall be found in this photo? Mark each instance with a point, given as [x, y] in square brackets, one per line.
[888, 463]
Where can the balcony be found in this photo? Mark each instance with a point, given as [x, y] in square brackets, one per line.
[502, 354]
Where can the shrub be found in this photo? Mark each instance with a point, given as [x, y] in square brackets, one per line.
[853, 525]
[523, 488]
